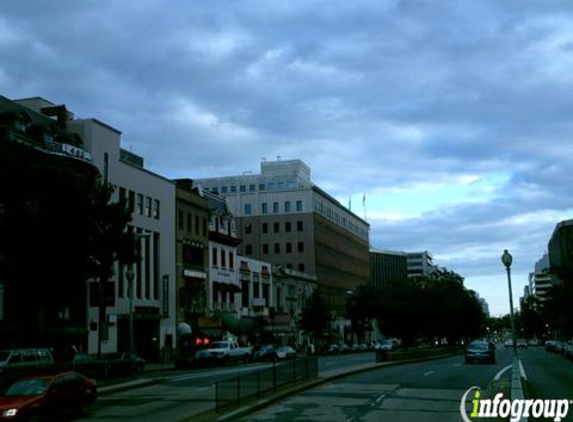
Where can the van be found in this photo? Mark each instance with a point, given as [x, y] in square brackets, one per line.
[23, 358]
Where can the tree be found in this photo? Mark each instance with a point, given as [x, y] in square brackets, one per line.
[57, 230]
[361, 309]
[315, 316]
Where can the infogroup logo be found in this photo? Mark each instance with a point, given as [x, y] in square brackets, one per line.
[514, 409]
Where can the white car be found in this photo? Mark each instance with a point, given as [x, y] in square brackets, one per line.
[386, 345]
[286, 352]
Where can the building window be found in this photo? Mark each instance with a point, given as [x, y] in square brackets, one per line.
[287, 206]
[148, 202]
[289, 266]
[277, 248]
[122, 197]
[131, 200]
[214, 257]
[265, 228]
[265, 248]
[301, 267]
[231, 260]
[287, 226]
[243, 188]
[261, 186]
[233, 189]
[156, 205]
[224, 189]
[139, 206]
[249, 229]
[299, 206]
[223, 258]
[248, 209]
[215, 189]
[265, 208]
[249, 249]
[275, 207]
[289, 247]
[252, 188]
[300, 246]
[276, 227]
[204, 227]
[299, 226]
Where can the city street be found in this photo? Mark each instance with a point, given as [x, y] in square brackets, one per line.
[421, 391]
[425, 391]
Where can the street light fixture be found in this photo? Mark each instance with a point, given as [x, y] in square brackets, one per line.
[507, 259]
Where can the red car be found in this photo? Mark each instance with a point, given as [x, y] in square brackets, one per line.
[47, 396]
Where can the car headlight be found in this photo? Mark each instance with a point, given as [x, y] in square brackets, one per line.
[10, 412]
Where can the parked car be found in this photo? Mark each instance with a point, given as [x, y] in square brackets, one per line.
[332, 349]
[521, 343]
[21, 358]
[48, 397]
[286, 352]
[568, 351]
[508, 343]
[137, 361]
[385, 345]
[479, 351]
[267, 352]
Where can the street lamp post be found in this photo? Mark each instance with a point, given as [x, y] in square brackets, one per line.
[130, 276]
[507, 259]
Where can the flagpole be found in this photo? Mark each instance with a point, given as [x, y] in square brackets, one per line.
[364, 205]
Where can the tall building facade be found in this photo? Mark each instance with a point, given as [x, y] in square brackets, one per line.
[283, 218]
[150, 301]
[420, 264]
[192, 230]
[387, 266]
[560, 249]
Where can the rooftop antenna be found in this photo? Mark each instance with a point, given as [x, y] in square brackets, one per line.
[278, 157]
[264, 159]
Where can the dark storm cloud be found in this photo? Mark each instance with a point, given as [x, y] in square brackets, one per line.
[373, 95]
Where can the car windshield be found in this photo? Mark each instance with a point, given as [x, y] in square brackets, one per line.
[219, 345]
[386, 342]
[28, 387]
[478, 345]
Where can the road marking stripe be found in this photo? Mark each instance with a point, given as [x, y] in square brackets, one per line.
[428, 373]
[522, 370]
[500, 373]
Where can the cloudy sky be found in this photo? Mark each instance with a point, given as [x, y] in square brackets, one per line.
[454, 117]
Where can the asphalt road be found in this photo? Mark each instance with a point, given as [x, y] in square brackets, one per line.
[550, 375]
[423, 391]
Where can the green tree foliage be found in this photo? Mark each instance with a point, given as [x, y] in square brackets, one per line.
[315, 316]
[426, 308]
[558, 309]
[57, 229]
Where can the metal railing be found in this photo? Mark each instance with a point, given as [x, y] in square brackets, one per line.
[241, 388]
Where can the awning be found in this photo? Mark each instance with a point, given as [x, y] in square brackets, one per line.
[212, 332]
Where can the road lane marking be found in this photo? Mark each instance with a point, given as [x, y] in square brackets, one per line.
[522, 370]
[428, 373]
[458, 364]
[500, 373]
[329, 363]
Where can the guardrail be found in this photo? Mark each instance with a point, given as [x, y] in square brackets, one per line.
[241, 388]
